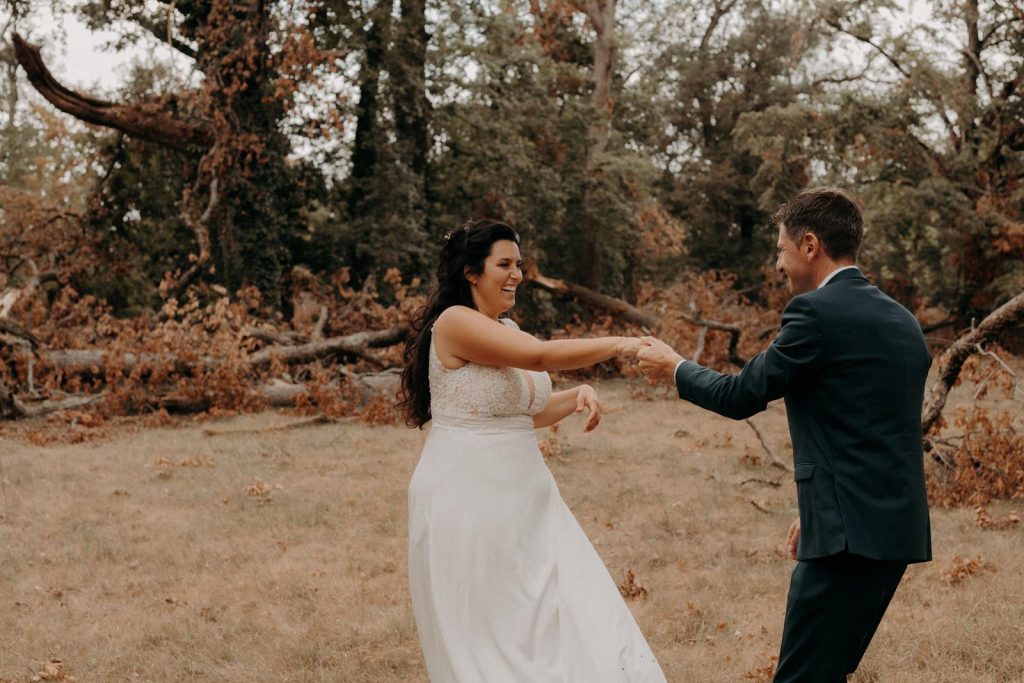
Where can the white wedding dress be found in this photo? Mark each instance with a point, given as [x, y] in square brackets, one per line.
[505, 585]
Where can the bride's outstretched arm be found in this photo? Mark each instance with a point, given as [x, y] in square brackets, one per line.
[473, 337]
[565, 403]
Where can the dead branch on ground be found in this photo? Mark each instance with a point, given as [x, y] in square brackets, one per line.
[357, 344]
[776, 462]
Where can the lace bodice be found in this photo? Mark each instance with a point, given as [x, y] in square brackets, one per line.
[484, 397]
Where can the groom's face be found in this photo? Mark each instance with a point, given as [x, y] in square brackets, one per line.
[793, 264]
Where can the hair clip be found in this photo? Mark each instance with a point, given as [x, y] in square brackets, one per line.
[465, 228]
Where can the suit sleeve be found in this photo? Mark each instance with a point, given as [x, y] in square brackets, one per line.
[793, 358]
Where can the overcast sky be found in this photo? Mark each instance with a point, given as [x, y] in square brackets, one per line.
[85, 61]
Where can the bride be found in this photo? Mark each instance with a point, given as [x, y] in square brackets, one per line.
[505, 585]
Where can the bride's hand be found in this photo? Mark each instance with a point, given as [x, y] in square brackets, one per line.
[629, 347]
[586, 399]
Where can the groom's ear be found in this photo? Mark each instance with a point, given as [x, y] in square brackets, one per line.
[810, 245]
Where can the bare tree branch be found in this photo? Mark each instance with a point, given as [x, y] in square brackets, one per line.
[165, 33]
[140, 121]
[321, 322]
[721, 9]
[940, 108]
[867, 40]
[702, 336]
[734, 334]
[627, 311]
[952, 360]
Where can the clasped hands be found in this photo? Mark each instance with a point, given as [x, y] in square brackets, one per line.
[657, 359]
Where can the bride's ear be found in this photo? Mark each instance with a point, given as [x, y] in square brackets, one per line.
[469, 275]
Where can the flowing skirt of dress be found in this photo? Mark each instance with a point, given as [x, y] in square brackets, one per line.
[505, 584]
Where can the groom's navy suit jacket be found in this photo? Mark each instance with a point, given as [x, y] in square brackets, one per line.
[851, 364]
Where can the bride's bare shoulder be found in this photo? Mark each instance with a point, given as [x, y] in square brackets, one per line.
[457, 314]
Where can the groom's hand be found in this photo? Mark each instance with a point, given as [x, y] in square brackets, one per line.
[657, 359]
[793, 538]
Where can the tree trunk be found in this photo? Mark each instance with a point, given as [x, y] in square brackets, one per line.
[972, 71]
[357, 343]
[602, 16]
[407, 71]
[10, 151]
[364, 149]
[258, 194]
[410, 87]
[257, 202]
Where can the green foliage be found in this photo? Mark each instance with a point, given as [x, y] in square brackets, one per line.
[514, 129]
[706, 82]
[136, 213]
[445, 111]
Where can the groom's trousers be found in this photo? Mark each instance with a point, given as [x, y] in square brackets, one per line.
[835, 604]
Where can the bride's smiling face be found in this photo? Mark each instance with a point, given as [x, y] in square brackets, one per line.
[494, 289]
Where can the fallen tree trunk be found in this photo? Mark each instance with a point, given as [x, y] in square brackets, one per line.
[357, 344]
[285, 338]
[953, 359]
[95, 360]
[587, 295]
[276, 393]
[633, 314]
[15, 408]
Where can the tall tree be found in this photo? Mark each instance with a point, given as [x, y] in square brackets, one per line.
[408, 74]
[384, 192]
[934, 146]
[728, 59]
[240, 184]
[601, 14]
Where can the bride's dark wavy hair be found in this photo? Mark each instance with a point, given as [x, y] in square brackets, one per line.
[465, 250]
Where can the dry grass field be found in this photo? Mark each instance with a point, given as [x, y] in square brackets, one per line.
[230, 550]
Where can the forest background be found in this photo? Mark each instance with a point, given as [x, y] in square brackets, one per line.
[252, 223]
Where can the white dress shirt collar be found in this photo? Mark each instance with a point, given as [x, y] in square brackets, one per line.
[831, 275]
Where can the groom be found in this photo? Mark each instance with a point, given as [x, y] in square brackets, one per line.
[851, 365]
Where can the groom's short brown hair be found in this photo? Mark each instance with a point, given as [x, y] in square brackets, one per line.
[830, 213]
